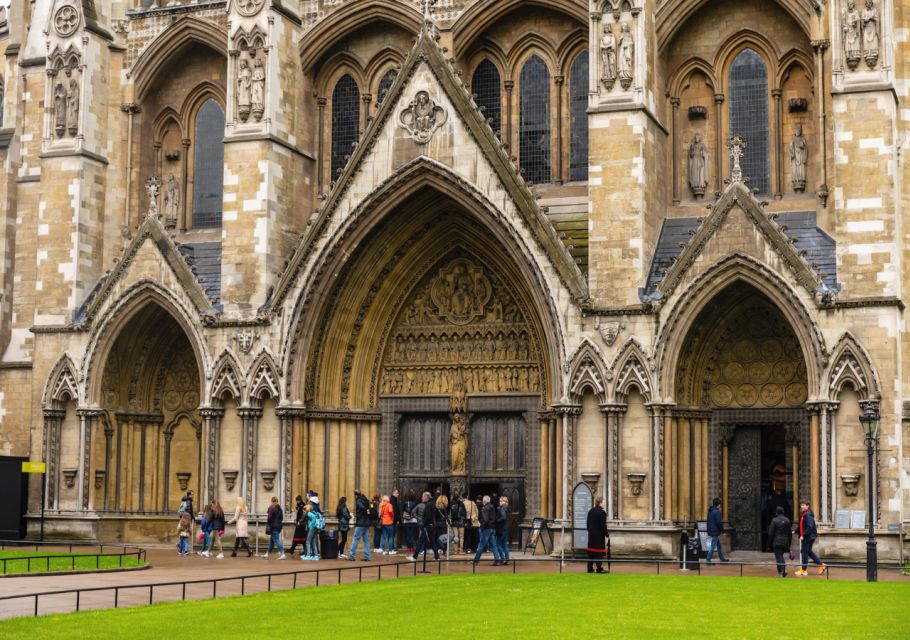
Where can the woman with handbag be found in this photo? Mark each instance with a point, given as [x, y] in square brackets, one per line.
[408, 520]
[300, 525]
[218, 526]
[274, 523]
[241, 519]
[779, 534]
[344, 524]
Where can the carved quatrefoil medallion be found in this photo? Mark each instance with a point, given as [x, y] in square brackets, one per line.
[249, 7]
[422, 117]
[66, 20]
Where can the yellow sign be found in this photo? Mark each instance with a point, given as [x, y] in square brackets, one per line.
[33, 467]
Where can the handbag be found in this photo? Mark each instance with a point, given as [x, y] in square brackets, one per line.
[268, 529]
[792, 555]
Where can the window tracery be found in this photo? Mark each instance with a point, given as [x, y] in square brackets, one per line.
[208, 165]
[345, 121]
[534, 128]
[486, 85]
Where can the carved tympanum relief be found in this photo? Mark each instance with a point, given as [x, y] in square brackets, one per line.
[422, 117]
[461, 326]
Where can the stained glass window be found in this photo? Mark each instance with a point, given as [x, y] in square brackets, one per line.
[345, 121]
[578, 118]
[749, 115]
[534, 129]
[385, 84]
[208, 166]
[485, 84]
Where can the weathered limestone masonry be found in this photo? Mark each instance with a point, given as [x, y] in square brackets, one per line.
[255, 247]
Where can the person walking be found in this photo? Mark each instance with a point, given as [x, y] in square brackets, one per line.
[440, 524]
[375, 522]
[242, 522]
[779, 534]
[408, 521]
[186, 504]
[808, 534]
[387, 520]
[344, 523]
[597, 536]
[361, 526]
[502, 530]
[218, 527]
[300, 526]
[487, 532]
[715, 528]
[205, 532]
[471, 524]
[457, 515]
[312, 532]
[396, 524]
[183, 532]
[274, 523]
[425, 514]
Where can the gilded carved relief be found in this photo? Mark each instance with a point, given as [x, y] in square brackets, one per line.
[460, 324]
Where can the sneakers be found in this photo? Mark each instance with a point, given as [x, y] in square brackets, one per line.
[393, 553]
[412, 559]
[822, 568]
[802, 572]
[265, 556]
[304, 557]
[377, 550]
[281, 556]
[220, 556]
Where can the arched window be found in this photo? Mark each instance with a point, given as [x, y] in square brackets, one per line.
[485, 84]
[534, 129]
[208, 165]
[578, 118]
[749, 115]
[345, 121]
[385, 84]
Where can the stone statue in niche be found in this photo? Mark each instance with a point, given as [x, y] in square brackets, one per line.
[244, 90]
[258, 90]
[152, 187]
[870, 34]
[171, 201]
[851, 33]
[799, 155]
[59, 109]
[698, 166]
[626, 56]
[422, 117]
[72, 107]
[608, 56]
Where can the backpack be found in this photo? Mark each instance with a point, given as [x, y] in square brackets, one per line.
[183, 507]
[320, 521]
[373, 513]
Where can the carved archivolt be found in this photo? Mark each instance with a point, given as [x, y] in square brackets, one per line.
[226, 379]
[587, 371]
[850, 364]
[62, 384]
[632, 369]
[264, 380]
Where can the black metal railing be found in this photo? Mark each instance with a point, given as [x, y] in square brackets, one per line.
[118, 551]
[208, 588]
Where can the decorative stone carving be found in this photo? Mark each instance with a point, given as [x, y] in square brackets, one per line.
[851, 27]
[610, 330]
[608, 56]
[871, 34]
[460, 292]
[797, 105]
[591, 478]
[626, 55]
[69, 477]
[698, 112]
[183, 479]
[851, 483]
[422, 117]
[458, 444]
[171, 202]
[268, 479]
[66, 21]
[636, 479]
[799, 155]
[59, 109]
[248, 7]
[230, 478]
[72, 106]
[152, 188]
[737, 146]
[99, 478]
[245, 340]
[244, 90]
[698, 166]
[258, 90]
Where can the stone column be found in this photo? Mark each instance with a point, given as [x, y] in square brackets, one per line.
[185, 211]
[814, 466]
[166, 493]
[211, 426]
[87, 421]
[613, 418]
[559, 81]
[725, 438]
[286, 416]
[320, 170]
[544, 466]
[249, 421]
[792, 439]
[719, 154]
[53, 419]
[108, 450]
[820, 46]
[555, 441]
[509, 86]
[778, 187]
[674, 102]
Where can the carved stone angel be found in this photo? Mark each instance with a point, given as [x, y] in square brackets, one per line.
[422, 117]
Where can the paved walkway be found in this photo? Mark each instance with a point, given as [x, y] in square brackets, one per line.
[242, 575]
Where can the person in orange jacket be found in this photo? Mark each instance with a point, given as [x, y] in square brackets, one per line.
[387, 520]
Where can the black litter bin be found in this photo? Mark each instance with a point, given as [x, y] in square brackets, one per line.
[688, 551]
[328, 544]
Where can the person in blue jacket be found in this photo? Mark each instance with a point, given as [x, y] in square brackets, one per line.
[715, 528]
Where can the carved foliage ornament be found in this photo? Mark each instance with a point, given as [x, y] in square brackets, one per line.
[422, 117]
[66, 20]
[248, 7]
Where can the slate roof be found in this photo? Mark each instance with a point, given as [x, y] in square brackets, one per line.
[675, 233]
[204, 259]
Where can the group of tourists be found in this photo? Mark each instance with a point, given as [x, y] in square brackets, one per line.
[431, 524]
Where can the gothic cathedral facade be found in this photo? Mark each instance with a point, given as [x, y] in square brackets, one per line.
[255, 247]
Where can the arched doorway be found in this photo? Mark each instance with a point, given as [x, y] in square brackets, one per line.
[740, 426]
[147, 451]
[428, 321]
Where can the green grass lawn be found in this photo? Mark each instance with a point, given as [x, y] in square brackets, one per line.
[522, 607]
[63, 563]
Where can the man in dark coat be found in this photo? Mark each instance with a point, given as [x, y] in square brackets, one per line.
[426, 514]
[396, 522]
[502, 530]
[361, 526]
[487, 532]
[715, 528]
[808, 533]
[779, 539]
[597, 536]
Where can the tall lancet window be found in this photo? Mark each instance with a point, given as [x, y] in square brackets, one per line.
[385, 84]
[534, 128]
[486, 85]
[208, 166]
[749, 115]
[578, 118]
[345, 121]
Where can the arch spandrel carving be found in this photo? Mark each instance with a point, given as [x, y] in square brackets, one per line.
[461, 320]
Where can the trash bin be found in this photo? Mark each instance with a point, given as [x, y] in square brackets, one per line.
[328, 544]
[688, 551]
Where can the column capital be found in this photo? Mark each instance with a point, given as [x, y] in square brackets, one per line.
[675, 102]
[509, 84]
[250, 412]
[211, 412]
[612, 407]
[820, 45]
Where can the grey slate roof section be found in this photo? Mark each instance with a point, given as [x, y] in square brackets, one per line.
[799, 225]
[204, 259]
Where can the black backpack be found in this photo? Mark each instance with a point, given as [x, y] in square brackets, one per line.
[458, 513]
[373, 513]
